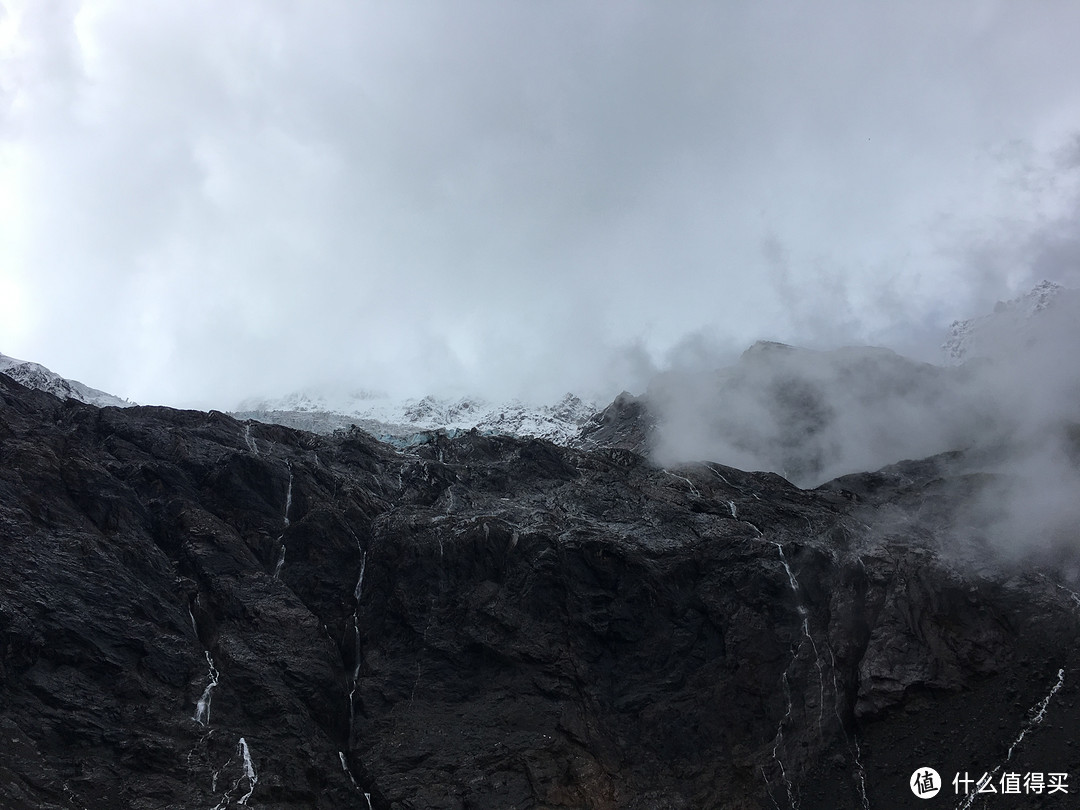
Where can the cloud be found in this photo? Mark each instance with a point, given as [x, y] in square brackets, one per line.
[1012, 409]
[810, 415]
[211, 201]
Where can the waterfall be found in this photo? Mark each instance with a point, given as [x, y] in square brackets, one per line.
[250, 440]
[288, 494]
[794, 583]
[852, 742]
[249, 770]
[693, 489]
[360, 579]
[202, 708]
[778, 740]
[285, 519]
[806, 637]
[1037, 715]
[345, 767]
[357, 592]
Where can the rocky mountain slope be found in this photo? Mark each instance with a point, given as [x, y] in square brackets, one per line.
[34, 375]
[1015, 321]
[813, 415]
[199, 612]
[400, 422]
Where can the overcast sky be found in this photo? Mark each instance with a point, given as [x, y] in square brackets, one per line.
[204, 200]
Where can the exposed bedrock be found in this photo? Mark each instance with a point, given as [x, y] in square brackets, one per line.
[487, 622]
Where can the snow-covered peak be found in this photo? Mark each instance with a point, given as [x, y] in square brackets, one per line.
[35, 375]
[1010, 323]
[315, 401]
[396, 419]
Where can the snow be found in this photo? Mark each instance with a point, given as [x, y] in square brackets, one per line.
[1010, 321]
[404, 421]
[34, 375]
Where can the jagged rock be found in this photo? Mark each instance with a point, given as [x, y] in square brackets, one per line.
[489, 622]
[34, 375]
[626, 423]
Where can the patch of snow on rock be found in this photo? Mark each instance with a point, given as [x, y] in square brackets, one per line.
[397, 420]
[34, 375]
[1010, 322]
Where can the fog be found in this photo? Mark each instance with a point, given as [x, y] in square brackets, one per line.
[202, 202]
[205, 202]
[1011, 404]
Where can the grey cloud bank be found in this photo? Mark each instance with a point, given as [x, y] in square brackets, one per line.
[1007, 418]
[203, 202]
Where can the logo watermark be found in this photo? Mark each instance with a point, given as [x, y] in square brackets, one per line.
[925, 783]
[1032, 782]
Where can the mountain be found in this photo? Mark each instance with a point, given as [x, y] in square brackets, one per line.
[1013, 388]
[805, 414]
[37, 376]
[197, 612]
[1012, 324]
[403, 421]
[627, 423]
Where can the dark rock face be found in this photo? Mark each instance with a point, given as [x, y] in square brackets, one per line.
[626, 423]
[196, 612]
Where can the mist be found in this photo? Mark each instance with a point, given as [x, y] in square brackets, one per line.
[1009, 401]
[203, 202]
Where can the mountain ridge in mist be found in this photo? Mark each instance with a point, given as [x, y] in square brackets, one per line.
[35, 375]
[398, 420]
[807, 414]
[494, 622]
[813, 415]
[1010, 321]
